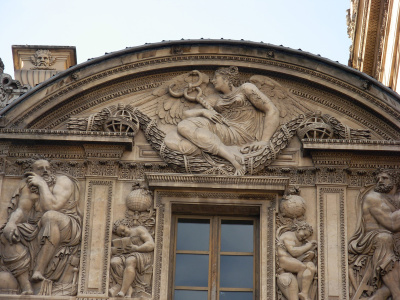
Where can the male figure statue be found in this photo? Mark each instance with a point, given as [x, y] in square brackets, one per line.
[379, 224]
[295, 255]
[43, 226]
[132, 255]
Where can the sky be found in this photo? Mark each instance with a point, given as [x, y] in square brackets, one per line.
[97, 27]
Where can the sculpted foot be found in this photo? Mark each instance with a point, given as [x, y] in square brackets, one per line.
[37, 276]
[28, 291]
[121, 294]
[114, 290]
[238, 161]
[240, 171]
[303, 296]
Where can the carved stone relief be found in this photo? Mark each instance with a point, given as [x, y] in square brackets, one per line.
[10, 89]
[43, 60]
[296, 255]
[133, 251]
[374, 247]
[40, 242]
[221, 128]
[233, 124]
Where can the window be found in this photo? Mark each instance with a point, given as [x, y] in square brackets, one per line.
[215, 258]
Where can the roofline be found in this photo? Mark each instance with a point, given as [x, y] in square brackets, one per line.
[164, 44]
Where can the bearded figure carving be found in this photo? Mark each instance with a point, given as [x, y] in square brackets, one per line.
[41, 239]
[375, 246]
[42, 60]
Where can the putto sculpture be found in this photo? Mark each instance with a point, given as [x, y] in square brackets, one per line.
[40, 241]
[374, 248]
[133, 250]
[296, 255]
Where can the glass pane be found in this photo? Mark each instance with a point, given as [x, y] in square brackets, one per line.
[237, 236]
[192, 295]
[191, 270]
[193, 234]
[236, 271]
[235, 296]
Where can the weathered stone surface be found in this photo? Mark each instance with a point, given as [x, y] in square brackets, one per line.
[221, 131]
[35, 64]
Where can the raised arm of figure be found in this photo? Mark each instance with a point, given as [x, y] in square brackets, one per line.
[289, 240]
[264, 104]
[56, 199]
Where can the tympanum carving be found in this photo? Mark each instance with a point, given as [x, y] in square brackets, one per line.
[296, 255]
[222, 127]
[375, 246]
[40, 242]
[133, 250]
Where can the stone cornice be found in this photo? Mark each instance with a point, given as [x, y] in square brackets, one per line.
[351, 145]
[84, 137]
[154, 58]
[261, 183]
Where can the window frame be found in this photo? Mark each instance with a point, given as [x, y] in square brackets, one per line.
[254, 195]
[215, 254]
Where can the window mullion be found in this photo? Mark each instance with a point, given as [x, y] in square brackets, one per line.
[214, 249]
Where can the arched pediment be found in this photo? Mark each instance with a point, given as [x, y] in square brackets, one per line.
[325, 85]
[203, 132]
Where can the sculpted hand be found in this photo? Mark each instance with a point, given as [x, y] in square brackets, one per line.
[34, 180]
[10, 232]
[314, 242]
[131, 248]
[308, 256]
[258, 145]
[313, 245]
[214, 116]
[254, 147]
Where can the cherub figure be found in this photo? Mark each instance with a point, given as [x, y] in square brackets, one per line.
[132, 256]
[295, 255]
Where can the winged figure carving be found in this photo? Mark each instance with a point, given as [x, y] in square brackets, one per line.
[218, 125]
[221, 120]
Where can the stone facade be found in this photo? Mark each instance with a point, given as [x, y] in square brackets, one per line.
[111, 170]
[373, 27]
[35, 64]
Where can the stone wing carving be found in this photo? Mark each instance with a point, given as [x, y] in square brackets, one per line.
[179, 94]
[289, 107]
